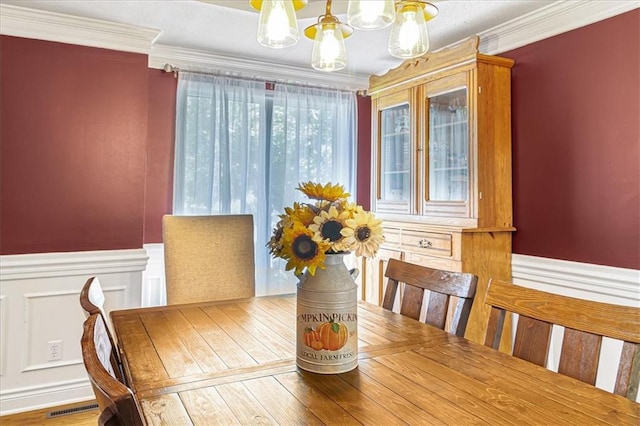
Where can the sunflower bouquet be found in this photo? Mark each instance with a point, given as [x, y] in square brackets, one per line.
[307, 232]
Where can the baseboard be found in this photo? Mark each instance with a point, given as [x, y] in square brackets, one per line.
[45, 396]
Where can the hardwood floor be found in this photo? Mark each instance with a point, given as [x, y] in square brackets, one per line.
[39, 417]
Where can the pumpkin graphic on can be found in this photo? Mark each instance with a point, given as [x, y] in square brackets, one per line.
[333, 335]
[312, 339]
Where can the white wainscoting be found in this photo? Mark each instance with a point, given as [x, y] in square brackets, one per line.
[39, 303]
[584, 281]
[154, 291]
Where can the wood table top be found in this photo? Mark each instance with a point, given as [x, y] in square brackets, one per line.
[233, 362]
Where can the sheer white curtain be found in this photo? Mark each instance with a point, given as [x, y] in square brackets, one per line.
[241, 148]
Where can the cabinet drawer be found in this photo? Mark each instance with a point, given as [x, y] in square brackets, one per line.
[391, 238]
[433, 262]
[428, 243]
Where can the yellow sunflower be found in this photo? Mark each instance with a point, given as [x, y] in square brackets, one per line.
[352, 209]
[327, 192]
[301, 251]
[275, 242]
[327, 226]
[302, 213]
[363, 233]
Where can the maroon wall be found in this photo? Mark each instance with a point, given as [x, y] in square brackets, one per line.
[160, 153]
[73, 141]
[80, 170]
[576, 144]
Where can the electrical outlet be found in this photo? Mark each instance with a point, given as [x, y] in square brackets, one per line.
[55, 350]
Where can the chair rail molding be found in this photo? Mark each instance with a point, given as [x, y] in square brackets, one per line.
[49, 265]
[582, 280]
[39, 305]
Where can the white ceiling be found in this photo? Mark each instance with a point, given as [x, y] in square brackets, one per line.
[225, 29]
[221, 34]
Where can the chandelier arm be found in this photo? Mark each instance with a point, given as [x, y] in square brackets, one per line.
[328, 8]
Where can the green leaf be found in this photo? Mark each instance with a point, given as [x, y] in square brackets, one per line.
[335, 327]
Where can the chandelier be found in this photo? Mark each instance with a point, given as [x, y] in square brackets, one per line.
[278, 28]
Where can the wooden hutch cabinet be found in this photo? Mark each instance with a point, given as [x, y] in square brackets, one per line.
[441, 127]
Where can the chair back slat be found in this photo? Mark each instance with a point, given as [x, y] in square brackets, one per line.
[437, 309]
[585, 324]
[628, 378]
[412, 302]
[579, 355]
[461, 315]
[533, 338]
[495, 327]
[115, 399]
[441, 286]
[390, 294]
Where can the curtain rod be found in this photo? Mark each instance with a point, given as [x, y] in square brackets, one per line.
[175, 70]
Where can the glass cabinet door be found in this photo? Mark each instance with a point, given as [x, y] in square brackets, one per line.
[448, 147]
[395, 154]
[447, 163]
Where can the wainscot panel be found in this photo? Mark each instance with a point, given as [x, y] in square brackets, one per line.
[39, 304]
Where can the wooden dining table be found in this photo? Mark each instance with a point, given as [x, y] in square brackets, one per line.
[234, 362]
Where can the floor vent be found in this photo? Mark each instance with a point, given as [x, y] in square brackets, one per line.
[74, 410]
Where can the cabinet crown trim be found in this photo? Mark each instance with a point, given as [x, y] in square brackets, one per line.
[459, 54]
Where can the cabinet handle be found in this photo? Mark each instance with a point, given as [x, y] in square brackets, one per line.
[425, 244]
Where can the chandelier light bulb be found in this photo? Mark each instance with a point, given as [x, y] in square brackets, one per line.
[370, 14]
[277, 26]
[329, 52]
[409, 37]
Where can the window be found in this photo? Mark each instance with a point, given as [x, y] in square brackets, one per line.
[243, 148]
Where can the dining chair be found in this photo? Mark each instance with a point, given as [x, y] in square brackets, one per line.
[442, 285]
[208, 257]
[115, 399]
[92, 302]
[585, 324]
[92, 298]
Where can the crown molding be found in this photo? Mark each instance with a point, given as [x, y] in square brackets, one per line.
[187, 59]
[549, 21]
[37, 24]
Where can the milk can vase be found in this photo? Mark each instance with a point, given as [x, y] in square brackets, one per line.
[327, 319]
